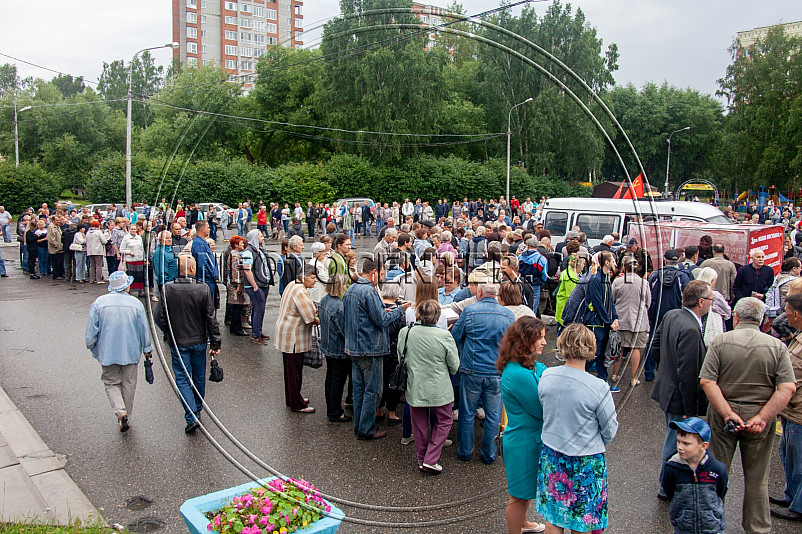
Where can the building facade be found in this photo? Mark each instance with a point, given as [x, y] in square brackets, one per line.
[234, 35]
[750, 37]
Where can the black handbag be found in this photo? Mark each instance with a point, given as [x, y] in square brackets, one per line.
[148, 371]
[314, 357]
[216, 372]
[398, 380]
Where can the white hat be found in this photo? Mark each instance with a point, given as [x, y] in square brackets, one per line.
[119, 281]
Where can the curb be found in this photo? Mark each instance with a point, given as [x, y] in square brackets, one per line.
[33, 482]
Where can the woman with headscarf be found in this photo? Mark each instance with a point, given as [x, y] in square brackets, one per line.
[132, 251]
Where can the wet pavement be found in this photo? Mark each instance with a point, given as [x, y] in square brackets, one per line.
[48, 373]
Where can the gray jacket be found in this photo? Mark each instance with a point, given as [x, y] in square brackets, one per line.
[632, 297]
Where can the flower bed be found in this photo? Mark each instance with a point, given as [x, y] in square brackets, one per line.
[270, 505]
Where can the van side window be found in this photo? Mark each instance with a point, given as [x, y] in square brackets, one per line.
[597, 226]
[556, 222]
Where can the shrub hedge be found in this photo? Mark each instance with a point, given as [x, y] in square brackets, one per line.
[27, 186]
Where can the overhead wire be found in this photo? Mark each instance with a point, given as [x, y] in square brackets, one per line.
[93, 82]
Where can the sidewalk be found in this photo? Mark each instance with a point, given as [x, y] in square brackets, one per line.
[33, 483]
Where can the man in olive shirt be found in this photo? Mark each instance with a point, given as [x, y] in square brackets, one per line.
[748, 379]
[725, 270]
[790, 504]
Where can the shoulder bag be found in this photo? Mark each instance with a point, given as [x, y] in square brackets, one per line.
[216, 372]
[398, 380]
[314, 357]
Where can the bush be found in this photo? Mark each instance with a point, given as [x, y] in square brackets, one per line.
[27, 186]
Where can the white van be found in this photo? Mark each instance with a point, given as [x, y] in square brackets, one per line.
[597, 217]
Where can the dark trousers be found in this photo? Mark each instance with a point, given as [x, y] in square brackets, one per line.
[258, 299]
[213, 231]
[390, 397]
[310, 226]
[32, 255]
[293, 377]
[57, 264]
[337, 370]
[112, 263]
[234, 313]
[69, 267]
[602, 335]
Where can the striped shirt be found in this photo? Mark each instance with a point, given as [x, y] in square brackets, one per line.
[295, 317]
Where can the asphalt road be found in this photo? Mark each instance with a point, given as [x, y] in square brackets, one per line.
[47, 371]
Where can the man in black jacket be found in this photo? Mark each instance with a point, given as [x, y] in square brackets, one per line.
[68, 231]
[680, 349]
[187, 317]
[311, 218]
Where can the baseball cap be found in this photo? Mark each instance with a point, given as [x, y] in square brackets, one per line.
[632, 241]
[671, 255]
[694, 425]
[428, 224]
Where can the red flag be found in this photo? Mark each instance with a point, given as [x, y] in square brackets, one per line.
[620, 190]
[636, 190]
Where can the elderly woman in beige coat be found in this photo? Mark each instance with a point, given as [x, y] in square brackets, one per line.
[296, 317]
[632, 298]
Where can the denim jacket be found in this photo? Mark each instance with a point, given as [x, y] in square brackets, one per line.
[332, 339]
[364, 320]
[478, 333]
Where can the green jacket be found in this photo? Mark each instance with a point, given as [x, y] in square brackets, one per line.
[338, 265]
[431, 357]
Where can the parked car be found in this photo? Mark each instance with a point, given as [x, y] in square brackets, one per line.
[204, 208]
[103, 207]
[357, 201]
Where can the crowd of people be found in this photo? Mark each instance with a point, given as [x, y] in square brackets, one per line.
[456, 292]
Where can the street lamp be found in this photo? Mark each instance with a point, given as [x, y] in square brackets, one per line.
[16, 133]
[509, 137]
[668, 158]
[128, 202]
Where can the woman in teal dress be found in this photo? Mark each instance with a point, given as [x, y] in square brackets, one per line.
[520, 374]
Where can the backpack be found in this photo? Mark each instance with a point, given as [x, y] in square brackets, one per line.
[773, 307]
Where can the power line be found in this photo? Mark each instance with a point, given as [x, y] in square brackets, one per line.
[68, 104]
[94, 82]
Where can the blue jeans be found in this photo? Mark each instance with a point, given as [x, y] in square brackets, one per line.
[649, 364]
[194, 369]
[602, 335]
[366, 227]
[240, 228]
[535, 297]
[791, 459]
[44, 260]
[366, 378]
[286, 224]
[669, 446]
[23, 256]
[258, 299]
[2, 265]
[472, 389]
[350, 235]
[213, 231]
[7, 233]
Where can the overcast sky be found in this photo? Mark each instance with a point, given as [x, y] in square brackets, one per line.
[683, 42]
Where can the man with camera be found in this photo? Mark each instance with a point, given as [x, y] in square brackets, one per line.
[748, 378]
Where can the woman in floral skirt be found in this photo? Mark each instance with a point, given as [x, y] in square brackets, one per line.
[579, 420]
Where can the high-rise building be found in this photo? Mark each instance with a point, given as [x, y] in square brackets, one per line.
[234, 35]
[750, 37]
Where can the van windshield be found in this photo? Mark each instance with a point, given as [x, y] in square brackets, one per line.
[719, 219]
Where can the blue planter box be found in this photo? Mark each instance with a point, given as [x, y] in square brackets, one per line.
[193, 510]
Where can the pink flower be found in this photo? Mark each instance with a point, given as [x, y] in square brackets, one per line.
[209, 527]
[295, 510]
[267, 507]
[328, 508]
[252, 518]
[216, 521]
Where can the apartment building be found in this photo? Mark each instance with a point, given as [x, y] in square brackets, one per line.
[750, 37]
[234, 35]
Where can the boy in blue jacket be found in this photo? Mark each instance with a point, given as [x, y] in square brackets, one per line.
[694, 481]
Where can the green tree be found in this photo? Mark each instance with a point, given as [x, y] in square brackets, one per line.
[146, 80]
[763, 128]
[68, 85]
[27, 185]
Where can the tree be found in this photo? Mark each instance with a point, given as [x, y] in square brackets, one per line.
[10, 80]
[146, 80]
[68, 85]
[763, 128]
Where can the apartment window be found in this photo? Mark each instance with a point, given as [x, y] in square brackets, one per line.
[272, 40]
[231, 6]
[272, 14]
[289, 21]
[424, 18]
[299, 36]
[246, 65]
[259, 25]
[203, 49]
[247, 78]
[231, 20]
[192, 17]
[246, 23]
[231, 63]
[246, 37]
[192, 4]
[246, 8]
[203, 4]
[287, 8]
[258, 11]
[298, 10]
[299, 23]
[246, 51]
[192, 33]
[203, 34]
[192, 48]
[231, 35]
[208, 62]
[233, 78]
[203, 19]
[259, 52]
[259, 40]
[192, 61]
[231, 50]
[271, 28]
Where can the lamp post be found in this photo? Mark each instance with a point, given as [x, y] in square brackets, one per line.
[668, 158]
[128, 121]
[16, 132]
[509, 137]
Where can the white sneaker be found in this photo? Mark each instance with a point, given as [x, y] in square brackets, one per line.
[407, 441]
[447, 443]
[480, 414]
[435, 468]
[455, 415]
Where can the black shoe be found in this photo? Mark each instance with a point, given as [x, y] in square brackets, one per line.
[124, 423]
[3, 276]
[393, 422]
[648, 378]
[34, 277]
[663, 497]
[782, 503]
[192, 427]
[785, 513]
[343, 419]
[240, 333]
